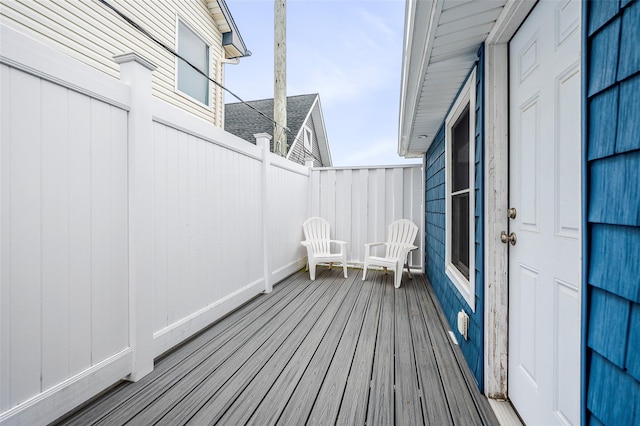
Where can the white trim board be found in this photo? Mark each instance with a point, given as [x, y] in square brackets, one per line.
[496, 310]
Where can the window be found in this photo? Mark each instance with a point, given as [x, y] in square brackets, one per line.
[460, 187]
[192, 48]
[307, 139]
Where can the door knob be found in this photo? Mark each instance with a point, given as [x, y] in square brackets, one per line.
[512, 212]
[510, 238]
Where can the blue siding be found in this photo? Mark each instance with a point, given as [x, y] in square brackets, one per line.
[601, 13]
[629, 125]
[435, 204]
[613, 396]
[615, 311]
[619, 243]
[603, 57]
[629, 52]
[612, 143]
[614, 191]
[633, 348]
[602, 129]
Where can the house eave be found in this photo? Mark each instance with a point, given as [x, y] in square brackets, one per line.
[232, 42]
[441, 41]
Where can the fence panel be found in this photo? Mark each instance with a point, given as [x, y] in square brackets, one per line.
[288, 207]
[360, 203]
[207, 221]
[63, 231]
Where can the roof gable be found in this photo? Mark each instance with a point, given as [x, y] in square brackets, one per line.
[244, 122]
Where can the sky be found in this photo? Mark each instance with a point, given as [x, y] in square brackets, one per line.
[348, 51]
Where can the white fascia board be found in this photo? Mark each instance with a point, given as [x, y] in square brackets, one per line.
[321, 132]
[419, 38]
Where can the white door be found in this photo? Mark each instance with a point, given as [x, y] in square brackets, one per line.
[544, 188]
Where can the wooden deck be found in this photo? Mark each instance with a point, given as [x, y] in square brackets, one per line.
[329, 351]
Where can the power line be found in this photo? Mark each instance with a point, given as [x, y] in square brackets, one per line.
[171, 51]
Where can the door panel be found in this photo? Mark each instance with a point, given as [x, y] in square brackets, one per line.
[544, 187]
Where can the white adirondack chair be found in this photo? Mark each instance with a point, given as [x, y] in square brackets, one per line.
[400, 237]
[318, 244]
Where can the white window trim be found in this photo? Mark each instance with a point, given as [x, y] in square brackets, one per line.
[467, 96]
[175, 64]
[307, 144]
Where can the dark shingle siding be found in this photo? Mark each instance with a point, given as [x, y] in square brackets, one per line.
[613, 212]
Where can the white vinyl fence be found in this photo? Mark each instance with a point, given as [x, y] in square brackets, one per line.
[127, 225]
[360, 203]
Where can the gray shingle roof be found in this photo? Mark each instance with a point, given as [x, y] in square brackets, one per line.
[244, 122]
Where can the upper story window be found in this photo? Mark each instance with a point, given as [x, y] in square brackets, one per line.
[460, 187]
[195, 50]
[307, 139]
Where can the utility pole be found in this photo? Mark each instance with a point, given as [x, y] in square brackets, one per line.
[280, 77]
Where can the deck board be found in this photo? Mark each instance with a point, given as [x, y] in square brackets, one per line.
[304, 397]
[381, 403]
[462, 407]
[271, 407]
[327, 404]
[250, 351]
[283, 344]
[407, 395]
[426, 366]
[354, 407]
[329, 351]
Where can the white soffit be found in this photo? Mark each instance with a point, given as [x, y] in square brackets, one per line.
[442, 38]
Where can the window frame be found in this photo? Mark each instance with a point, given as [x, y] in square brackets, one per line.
[209, 103]
[307, 138]
[466, 98]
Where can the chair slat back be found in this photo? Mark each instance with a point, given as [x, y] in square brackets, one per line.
[316, 231]
[401, 233]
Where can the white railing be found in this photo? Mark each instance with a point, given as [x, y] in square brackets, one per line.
[127, 225]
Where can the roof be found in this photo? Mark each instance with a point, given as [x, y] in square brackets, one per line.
[244, 122]
[232, 42]
[442, 38]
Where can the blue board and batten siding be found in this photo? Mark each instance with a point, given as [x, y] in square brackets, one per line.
[612, 370]
[435, 204]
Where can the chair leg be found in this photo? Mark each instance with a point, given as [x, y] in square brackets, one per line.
[312, 271]
[397, 277]
[344, 268]
[364, 271]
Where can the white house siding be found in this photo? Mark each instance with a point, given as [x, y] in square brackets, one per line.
[88, 31]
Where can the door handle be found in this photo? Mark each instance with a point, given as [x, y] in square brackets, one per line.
[512, 212]
[508, 238]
